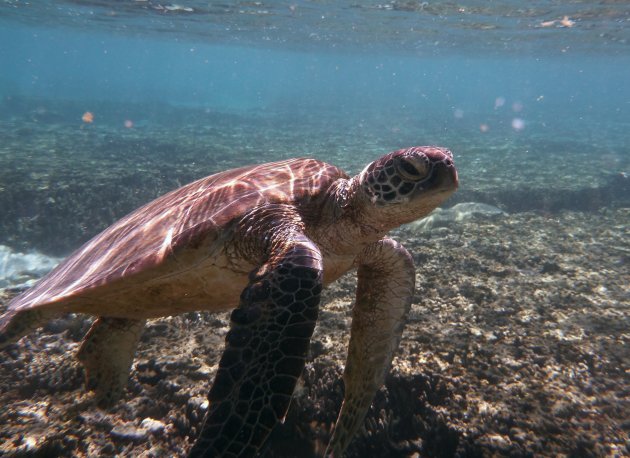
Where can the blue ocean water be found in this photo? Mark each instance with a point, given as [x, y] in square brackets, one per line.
[86, 65]
[88, 51]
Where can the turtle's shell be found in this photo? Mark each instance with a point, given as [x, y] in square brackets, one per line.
[202, 212]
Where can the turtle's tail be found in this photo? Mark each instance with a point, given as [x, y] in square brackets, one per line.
[17, 323]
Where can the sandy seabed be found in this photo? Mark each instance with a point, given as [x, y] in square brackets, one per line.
[517, 344]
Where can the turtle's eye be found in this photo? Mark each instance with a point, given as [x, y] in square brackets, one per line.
[413, 168]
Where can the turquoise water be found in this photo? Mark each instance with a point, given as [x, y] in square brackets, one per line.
[406, 57]
[98, 64]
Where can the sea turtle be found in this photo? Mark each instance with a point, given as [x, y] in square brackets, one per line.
[261, 240]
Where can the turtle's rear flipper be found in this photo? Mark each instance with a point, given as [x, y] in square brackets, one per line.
[15, 324]
[265, 351]
[107, 353]
[386, 279]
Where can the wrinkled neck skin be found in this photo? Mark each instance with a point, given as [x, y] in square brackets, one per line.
[349, 221]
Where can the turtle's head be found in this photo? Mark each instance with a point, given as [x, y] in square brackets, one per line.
[407, 184]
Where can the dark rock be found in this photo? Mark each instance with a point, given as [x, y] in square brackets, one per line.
[550, 267]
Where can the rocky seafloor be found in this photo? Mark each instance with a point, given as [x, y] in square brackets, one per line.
[517, 344]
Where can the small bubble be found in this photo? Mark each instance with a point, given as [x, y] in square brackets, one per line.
[499, 102]
[518, 124]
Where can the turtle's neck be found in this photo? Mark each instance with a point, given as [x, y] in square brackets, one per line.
[347, 222]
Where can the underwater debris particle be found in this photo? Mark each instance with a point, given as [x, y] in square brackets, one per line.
[88, 117]
[564, 22]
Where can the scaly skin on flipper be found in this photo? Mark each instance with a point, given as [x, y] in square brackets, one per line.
[107, 353]
[265, 351]
[384, 294]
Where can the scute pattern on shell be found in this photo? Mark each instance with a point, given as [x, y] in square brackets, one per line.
[145, 238]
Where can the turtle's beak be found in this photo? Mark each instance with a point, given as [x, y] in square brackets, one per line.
[445, 176]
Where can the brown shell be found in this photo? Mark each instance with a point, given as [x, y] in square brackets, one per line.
[201, 210]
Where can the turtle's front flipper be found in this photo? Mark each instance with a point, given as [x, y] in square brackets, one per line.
[386, 280]
[265, 352]
[107, 353]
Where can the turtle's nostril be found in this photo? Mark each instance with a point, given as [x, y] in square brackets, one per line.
[448, 163]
